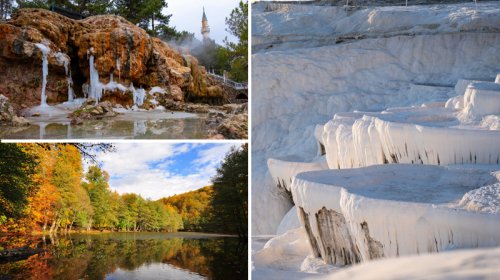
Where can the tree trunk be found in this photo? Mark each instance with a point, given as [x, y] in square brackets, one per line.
[71, 225]
[58, 222]
[53, 226]
[153, 24]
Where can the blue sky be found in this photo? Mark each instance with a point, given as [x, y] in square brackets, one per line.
[186, 15]
[156, 170]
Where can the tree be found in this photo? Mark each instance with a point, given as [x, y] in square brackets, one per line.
[129, 218]
[104, 203]
[74, 202]
[90, 7]
[230, 198]
[145, 13]
[192, 207]
[5, 9]
[237, 24]
[174, 219]
[84, 7]
[42, 205]
[206, 54]
[170, 34]
[64, 200]
[44, 4]
[17, 168]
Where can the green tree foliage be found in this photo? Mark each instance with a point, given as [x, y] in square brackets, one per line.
[83, 7]
[192, 207]
[74, 204]
[237, 24]
[16, 185]
[104, 204]
[171, 35]
[230, 198]
[129, 212]
[43, 187]
[233, 57]
[213, 56]
[145, 13]
[91, 7]
[44, 4]
[5, 8]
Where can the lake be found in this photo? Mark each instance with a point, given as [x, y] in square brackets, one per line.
[132, 125]
[130, 256]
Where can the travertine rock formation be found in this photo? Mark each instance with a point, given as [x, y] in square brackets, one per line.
[122, 52]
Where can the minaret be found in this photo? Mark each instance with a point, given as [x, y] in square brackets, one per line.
[205, 30]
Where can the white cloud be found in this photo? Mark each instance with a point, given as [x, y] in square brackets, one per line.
[131, 172]
[155, 184]
[208, 160]
[186, 15]
[136, 156]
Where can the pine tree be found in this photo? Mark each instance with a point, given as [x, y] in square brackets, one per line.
[237, 24]
[230, 198]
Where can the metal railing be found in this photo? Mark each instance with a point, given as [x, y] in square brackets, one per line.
[226, 81]
[66, 12]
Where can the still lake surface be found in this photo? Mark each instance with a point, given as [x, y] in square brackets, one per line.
[132, 256]
[132, 125]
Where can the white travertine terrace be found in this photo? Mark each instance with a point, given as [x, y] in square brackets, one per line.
[359, 214]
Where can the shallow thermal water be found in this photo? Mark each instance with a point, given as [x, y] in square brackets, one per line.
[130, 125]
[131, 256]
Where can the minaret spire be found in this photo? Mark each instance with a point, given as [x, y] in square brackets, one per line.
[205, 29]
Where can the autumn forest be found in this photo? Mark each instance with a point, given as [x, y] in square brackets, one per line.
[46, 188]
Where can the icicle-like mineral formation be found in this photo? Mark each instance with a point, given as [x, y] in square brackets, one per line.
[417, 134]
[71, 93]
[354, 215]
[118, 67]
[65, 60]
[139, 95]
[45, 71]
[95, 88]
[372, 209]
[154, 90]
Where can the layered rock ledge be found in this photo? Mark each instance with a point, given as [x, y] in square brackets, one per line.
[355, 215]
[125, 60]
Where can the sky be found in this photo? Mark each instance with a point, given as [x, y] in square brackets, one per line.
[156, 170]
[186, 15]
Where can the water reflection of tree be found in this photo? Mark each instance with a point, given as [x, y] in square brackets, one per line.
[93, 257]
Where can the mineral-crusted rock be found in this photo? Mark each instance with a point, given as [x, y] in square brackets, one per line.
[120, 49]
[176, 93]
[8, 115]
[360, 214]
[234, 127]
[88, 111]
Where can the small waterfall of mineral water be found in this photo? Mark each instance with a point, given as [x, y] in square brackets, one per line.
[95, 88]
[71, 93]
[118, 67]
[69, 79]
[45, 71]
[139, 95]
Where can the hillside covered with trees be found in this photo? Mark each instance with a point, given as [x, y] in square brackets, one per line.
[43, 187]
